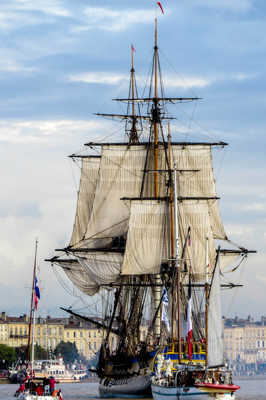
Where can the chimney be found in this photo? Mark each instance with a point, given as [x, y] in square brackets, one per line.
[3, 315]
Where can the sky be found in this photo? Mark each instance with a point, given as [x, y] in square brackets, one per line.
[64, 60]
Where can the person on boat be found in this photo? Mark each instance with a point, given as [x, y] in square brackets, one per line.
[52, 384]
[21, 389]
[39, 390]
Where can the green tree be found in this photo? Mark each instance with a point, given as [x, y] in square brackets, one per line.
[68, 351]
[7, 356]
[22, 353]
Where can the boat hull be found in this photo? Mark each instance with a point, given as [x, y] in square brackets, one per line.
[181, 393]
[29, 396]
[135, 387]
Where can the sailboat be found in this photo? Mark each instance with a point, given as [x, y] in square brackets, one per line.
[146, 222]
[31, 387]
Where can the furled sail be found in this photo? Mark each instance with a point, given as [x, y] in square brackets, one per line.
[148, 237]
[96, 269]
[215, 327]
[77, 275]
[88, 181]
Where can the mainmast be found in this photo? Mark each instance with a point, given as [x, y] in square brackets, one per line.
[133, 134]
[155, 114]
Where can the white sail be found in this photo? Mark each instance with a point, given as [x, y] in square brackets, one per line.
[87, 186]
[147, 240]
[198, 179]
[194, 214]
[215, 326]
[102, 267]
[120, 175]
[91, 271]
[78, 276]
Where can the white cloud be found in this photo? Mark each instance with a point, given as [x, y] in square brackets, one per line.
[114, 20]
[254, 207]
[52, 7]
[52, 131]
[114, 79]
[235, 5]
[99, 77]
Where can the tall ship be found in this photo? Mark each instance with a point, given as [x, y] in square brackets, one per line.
[146, 240]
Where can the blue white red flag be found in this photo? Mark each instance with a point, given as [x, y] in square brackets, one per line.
[164, 309]
[37, 295]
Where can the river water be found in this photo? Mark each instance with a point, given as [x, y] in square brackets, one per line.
[254, 389]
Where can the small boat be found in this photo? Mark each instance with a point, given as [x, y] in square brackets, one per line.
[31, 387]
[57, 369]
[217, 387]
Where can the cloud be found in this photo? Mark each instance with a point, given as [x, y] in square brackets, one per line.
[235, 5]
[254, 207]
[51, 7]
[115, 20]
[114, 79]
[51, 131]
[99, 77]
[15, 14]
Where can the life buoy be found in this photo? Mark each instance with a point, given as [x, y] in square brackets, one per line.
[55, 393]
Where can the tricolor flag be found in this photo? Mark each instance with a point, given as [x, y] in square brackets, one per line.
[164, 309]
[133, 48]
[160, 5]
[189, 322]
[188, 236]
[36, 293]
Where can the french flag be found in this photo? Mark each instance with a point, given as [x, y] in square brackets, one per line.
[189, 322]
[37, 295]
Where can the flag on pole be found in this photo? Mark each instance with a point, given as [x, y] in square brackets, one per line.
[188, 236]
[160, 5]
[189, 322]
[133, 48]
[37, 295]
[164, 309]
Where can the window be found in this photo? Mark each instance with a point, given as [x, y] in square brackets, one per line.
[81, 334]
[67, 334]
[94, 345]
[74, 334]
[89, 334]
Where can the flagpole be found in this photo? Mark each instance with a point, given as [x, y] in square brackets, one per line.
[206, 299]
[32, 302]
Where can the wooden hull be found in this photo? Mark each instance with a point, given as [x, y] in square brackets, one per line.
[135, 387]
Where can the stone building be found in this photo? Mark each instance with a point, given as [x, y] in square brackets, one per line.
[245, 345]
[49, 332]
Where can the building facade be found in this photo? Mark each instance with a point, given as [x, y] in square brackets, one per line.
[245, 345]
[49, 332]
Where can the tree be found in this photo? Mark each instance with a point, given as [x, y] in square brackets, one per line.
[22, 353]
[68, 351]
[7, 356]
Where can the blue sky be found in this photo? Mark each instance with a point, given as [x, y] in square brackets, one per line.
[63, 60]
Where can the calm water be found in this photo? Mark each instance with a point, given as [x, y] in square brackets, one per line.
[250, 390]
